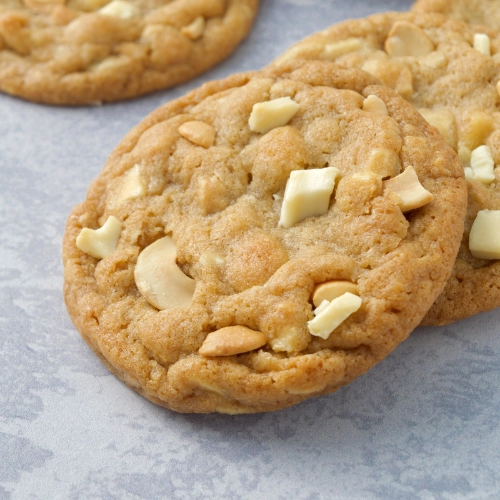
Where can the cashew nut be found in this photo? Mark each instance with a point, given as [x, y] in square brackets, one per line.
[159, 278]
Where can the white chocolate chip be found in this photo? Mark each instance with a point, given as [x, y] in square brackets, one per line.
[337, 49]
[307, 194]
[410, 193]
[384, 162]
[272, 114]
[195, 29]
[199, 133]
[132, 186]
[484, 237]
[100, 242]
[374, 104]
[482, 43]
[482, 165]
[330, 290]
[159, 278]
[407, 39]
[329, 315]
[232, 340]
[121, 9]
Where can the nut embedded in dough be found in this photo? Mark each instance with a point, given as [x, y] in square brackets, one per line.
[232, 340]
[159, 278]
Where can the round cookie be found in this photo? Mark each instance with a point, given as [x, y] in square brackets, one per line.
[484, 12]
[446, 71]
[91, 51]
[265, 239]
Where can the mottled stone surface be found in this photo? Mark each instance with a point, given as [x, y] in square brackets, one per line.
[423, 424]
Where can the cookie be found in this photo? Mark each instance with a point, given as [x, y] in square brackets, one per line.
[92, 51]
[483, 12]
[265, 239]
[449, 71]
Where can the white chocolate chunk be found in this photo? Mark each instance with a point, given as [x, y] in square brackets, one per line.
[121, 9]
[484, 237]
[332, 314]
[374, 104]
[100, 242]
[411, 194]
[482, 165]
[195, 29]
[159, 278]
[407, 39]
[307, 194]
[198, 132]
[272, 114]
[330, 290]
[482, 43]
[132, 186]
[232, 340]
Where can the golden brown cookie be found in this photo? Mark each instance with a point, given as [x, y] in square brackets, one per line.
[449, 71]
[484, 12]
[265, 239]
[91, 51]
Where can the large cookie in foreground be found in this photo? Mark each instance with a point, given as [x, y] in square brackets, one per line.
[91, 51]
[483, 12]
[265, 239]
[450, 71]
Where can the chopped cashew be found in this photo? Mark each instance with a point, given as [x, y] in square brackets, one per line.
[481, 165]
[329, 315]
[121, 9]
[159, 278]
[232, 340]
[199, 133]
[307, 194]
[337, 49]
[374, 104]
[195, 29]
[411, 194]
[407, 39]
[100, 242]
[484, 237]
[330, 290]
[272, 114]
[482, 43]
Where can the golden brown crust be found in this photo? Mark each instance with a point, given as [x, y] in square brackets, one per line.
[482, 12]
[68, 52]
[455, 82]
[249, 271]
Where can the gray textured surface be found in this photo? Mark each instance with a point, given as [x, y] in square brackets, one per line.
[424, 424]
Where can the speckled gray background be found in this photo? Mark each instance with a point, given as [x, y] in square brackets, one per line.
[424, 424]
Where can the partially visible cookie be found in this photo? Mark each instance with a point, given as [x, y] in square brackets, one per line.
[483, 12]
[91, 51]
[450, 71]
[265, 239]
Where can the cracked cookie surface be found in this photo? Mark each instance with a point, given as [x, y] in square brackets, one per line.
[215, 287]
[449, 71]
[91, 51]
[481, 12]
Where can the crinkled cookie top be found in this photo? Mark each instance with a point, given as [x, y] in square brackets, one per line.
[265, 239]
[89, 51]
[450, 71]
